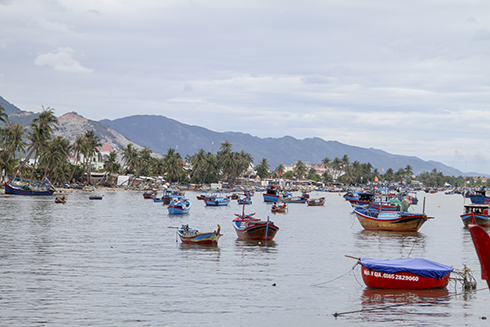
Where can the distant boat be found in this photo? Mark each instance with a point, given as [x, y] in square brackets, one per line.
[476, 213]
[150, 194]
[169, 195]
[416, 273]
[60, 199]
[272, 194]
[192, 236]
[279, 209]
[95, 197]
[179, 206]
[21, 186]
[216, 201]
[479, 196]
[293, 199]
[316, 202]
[390, 220]
[245, 200]
[248, 227]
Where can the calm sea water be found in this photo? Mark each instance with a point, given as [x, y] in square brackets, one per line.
[117, 262]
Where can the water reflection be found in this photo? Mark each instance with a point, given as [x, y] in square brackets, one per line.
[404, 306]
[382, 241]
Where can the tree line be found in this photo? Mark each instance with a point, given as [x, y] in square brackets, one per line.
[51, 157]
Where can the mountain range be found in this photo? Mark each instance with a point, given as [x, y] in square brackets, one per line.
[160, 133]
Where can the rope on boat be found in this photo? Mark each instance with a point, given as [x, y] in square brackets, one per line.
[332, 280]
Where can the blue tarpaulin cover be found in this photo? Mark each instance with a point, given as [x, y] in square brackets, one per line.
[419, 266]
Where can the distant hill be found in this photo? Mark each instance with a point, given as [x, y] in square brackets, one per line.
[72, 124]
[160, 133]
[9, 108]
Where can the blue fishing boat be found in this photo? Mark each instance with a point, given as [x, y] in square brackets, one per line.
[272, 194]
[217, 201]
[179, 206]
[21, 186]
[245, 200]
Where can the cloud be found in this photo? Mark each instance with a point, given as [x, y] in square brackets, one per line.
[62, 61]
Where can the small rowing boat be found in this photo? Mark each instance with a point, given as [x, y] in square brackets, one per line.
[190, 235]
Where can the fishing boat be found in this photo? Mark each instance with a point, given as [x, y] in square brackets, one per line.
[416, 273]
[169, 195]
[245, 200]
[190, 235]
[217, 201]
[248, 227]
[476, 213]
[481, 241]
[150, 194]
[272, 194]
[369, 199]
[60, 199]
[279, 209]
[293, 199]
[316, 202]
[179, 206]
[479, 196]
[95, 197]
[390, 221]
[21, 186]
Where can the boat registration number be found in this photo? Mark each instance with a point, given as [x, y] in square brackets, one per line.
[391, 276]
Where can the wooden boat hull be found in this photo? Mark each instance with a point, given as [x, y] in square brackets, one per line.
[11, 189]
[404, 223]
[476, 219]
[256, 230]
[405, 279]
[192, 236]
[278, 210]
[316, 202]
[200, 238]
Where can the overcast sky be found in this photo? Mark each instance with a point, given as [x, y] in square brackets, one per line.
[408, 77]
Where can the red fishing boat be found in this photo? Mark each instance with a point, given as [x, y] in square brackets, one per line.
[416, 273]
[481, 240]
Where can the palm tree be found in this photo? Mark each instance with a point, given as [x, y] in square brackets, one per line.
[76, 150]
[110, 164]
[11, 142]
[130, 156]
[280, 170]
[54, 155]
[91, 142]
[262, 168]
[226, 160]
[3, 116]
[299, 169]
[42, 128]
[173, 165]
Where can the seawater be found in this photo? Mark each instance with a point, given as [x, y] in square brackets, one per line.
[118, 262]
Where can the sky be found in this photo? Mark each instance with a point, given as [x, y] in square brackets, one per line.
[407, 77]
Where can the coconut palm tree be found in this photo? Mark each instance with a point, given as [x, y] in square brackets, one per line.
[130, 156]
[54, 155]
[91, 142]
[299, 169]
[262, 168]
[173, 165]
[42, 128]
